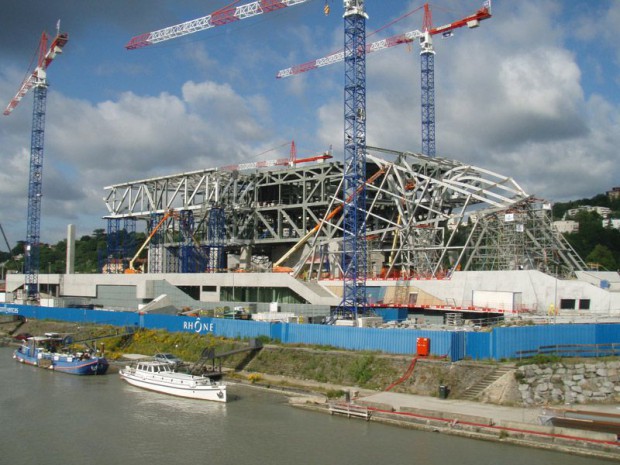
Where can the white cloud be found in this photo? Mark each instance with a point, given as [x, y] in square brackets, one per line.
[89, 146]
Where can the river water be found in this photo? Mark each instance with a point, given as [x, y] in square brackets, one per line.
[53, 418]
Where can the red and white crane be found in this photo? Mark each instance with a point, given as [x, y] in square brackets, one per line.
[37, 80]
[291, 161]
[39, 75]
[226, 15]
[427, 67]
[471, 21]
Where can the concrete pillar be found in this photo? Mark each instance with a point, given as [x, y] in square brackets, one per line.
[245, 259]
[70, 249]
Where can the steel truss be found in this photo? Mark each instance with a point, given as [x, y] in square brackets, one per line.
[521, 237]
[427, 64]
[424, 216]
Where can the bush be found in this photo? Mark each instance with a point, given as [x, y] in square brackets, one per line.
[255, 378]
[334, 393]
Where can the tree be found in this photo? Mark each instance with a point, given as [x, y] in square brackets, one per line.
[603, 257]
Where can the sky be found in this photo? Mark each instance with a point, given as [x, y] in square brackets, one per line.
[531, 94]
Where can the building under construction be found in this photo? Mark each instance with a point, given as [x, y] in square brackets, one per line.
[426, 217]
[440, 236]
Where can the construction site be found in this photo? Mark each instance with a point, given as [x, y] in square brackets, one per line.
[441, 236]
[380, 230]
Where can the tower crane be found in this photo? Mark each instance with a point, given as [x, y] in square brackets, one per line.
[427, 65]
[38, 81]
[354, 239]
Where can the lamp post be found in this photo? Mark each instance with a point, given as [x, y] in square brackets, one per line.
[555, 300]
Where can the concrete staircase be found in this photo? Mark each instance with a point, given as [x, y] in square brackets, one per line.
[474, 391]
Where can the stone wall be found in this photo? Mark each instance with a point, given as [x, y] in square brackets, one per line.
[577, 383]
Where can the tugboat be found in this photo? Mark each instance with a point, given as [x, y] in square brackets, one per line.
[46, 352]
[160, 377]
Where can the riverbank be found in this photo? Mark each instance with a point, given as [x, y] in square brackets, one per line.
[475, 420]
[317, 378]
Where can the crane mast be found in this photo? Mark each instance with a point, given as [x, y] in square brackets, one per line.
[427, 84]
[354, 260]
[38, 81]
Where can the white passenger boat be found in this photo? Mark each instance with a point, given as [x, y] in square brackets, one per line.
[160, 377]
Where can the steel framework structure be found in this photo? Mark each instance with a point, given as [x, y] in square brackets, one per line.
[424, 216]
[354, 259]
[521, 237]
[216, 235]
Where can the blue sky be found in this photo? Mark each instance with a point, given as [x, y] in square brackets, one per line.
[532, 94]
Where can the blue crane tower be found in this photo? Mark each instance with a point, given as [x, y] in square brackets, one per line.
[427, 80]
[38, 81]
[354, 260]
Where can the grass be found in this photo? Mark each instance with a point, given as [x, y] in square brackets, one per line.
[540, 359]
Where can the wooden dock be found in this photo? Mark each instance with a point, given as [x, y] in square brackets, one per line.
[350, 410]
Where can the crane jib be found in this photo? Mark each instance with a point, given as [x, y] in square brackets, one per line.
[220, 17]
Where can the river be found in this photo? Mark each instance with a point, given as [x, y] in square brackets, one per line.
[53, 418]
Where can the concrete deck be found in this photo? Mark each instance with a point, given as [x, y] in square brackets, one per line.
[520, 426]
[408, 402]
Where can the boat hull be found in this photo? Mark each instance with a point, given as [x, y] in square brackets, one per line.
[71, 365]
[214, 392]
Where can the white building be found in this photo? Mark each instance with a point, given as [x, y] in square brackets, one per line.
[566, 226]
[612, 223]
[603, 211]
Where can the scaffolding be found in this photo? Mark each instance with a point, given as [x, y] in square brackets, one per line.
[113, 260]
[521, 238]
[216, 234]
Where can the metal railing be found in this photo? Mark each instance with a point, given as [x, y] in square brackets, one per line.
[573, 350]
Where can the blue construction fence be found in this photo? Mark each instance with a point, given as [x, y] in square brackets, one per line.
[500, 343]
